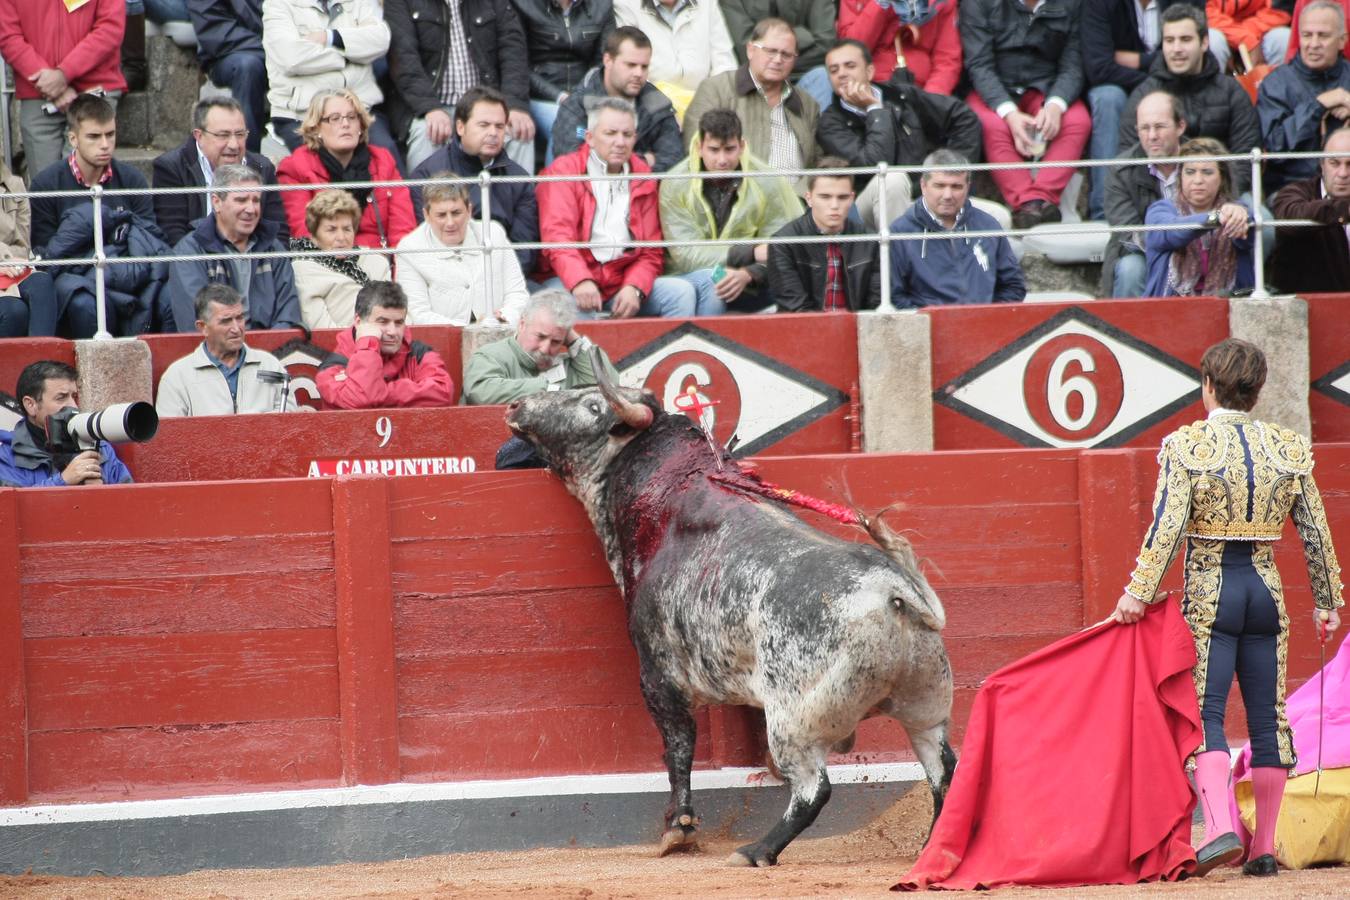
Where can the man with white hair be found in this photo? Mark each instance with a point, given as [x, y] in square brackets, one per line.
[609, 276]
[545, 354]
[1306, 97]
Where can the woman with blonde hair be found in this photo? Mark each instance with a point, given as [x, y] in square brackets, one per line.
[328, 284]
[1214, 256]
[449, 284]
[337, 149]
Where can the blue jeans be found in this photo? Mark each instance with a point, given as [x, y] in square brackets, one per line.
[161, 11]
[1107, 103]
[670, 298]
[816, 82]
[544, 115]
[1130, 275]
[707, 303]
[245, 74]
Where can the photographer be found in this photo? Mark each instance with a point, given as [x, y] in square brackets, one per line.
[46, 388]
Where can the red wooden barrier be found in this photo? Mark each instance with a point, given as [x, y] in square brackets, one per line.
[15, 353]
[1106, 374]
[196, 638]
[1329, 366]
[451, 440]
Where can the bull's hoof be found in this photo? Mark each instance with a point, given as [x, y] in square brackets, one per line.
[752, 855]
[681, 835]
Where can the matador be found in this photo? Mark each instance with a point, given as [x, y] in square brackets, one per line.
[1225, 487]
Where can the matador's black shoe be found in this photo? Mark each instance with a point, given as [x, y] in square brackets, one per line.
[1263, 866]
[1221, 851]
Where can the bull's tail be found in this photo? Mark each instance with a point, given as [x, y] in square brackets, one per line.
[897, 547]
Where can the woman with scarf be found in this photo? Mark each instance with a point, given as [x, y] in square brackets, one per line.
[328, 284]
[337, 150]
[1215, 255]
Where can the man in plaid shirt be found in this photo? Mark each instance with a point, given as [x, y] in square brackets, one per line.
[827, 275]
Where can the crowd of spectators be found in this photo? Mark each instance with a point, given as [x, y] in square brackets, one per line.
[376, 90]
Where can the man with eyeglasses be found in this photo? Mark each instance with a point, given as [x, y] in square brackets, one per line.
[779, 120]
[219, 137]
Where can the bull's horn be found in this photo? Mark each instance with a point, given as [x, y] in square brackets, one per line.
[634, 415]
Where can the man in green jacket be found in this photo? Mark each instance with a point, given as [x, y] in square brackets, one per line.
[779, 120]
[545, 354]
[733, 207]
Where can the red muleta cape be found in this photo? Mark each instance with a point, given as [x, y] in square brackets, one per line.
[1073, 766]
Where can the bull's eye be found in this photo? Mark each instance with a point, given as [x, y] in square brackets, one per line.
[593, 406]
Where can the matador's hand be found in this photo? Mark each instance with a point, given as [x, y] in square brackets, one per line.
[1129, 610]
[1329, 625]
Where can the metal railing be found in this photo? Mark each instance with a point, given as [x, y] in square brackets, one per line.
[883, 235]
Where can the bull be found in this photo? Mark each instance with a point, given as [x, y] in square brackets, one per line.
[731, 598]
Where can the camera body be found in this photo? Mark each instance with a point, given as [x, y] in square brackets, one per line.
[71, 432]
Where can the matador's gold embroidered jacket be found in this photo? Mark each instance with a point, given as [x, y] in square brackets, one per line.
[1232, 478]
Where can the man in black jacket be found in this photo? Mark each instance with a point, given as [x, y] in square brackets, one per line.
[822, 276]
[438, 50]
[230, 50]
[623, 74]
[1213, 104]
[480, 134]
[1119, 45]
[895, 123]
[1027, 73]
[219, 134]
[566, 40]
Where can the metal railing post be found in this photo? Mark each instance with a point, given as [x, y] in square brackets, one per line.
[884, 235]
[485, 201]
[1259, 256]
[100, 263]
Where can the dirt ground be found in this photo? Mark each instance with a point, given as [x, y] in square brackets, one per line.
[861, 864]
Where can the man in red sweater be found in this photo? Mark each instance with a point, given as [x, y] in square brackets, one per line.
[59, 52]
[378, 364]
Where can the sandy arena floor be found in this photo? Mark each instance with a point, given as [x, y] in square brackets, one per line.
[862, 864]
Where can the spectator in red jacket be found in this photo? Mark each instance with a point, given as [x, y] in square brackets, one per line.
[336, 132]
[378, 364]
[926, 37]
[57, 55]
[619, 280]
[1254, 24]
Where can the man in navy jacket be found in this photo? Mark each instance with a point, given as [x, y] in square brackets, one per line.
[948, 268]
[229, 47]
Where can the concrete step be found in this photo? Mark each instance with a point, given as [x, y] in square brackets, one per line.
[161, 115]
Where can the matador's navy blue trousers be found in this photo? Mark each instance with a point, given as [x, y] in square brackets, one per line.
[1244, 641]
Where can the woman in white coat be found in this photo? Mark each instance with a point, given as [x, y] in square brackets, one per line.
[328, 284]
[447, 283]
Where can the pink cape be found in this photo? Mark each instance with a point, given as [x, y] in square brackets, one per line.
[1072, 768]
[1304, 709]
